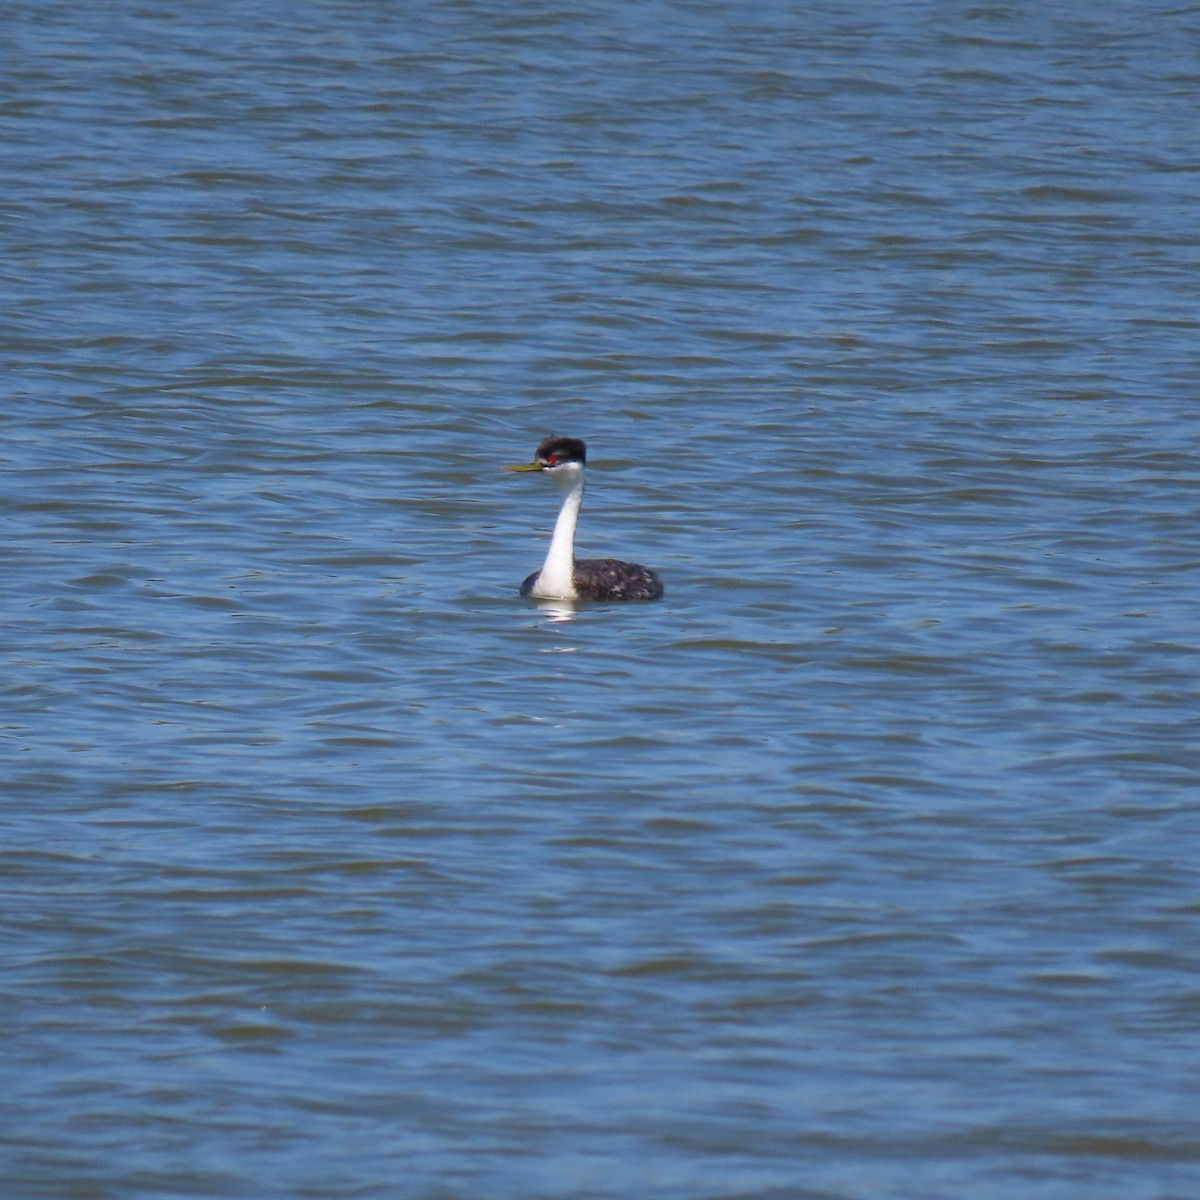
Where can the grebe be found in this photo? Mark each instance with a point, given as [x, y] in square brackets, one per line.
[563, 576]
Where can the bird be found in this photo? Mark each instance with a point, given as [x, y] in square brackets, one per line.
[563, 576]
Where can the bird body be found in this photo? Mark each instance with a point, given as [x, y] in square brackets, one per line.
[604, 579]
[563, 576]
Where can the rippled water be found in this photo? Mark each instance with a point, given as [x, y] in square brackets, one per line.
[863, 865]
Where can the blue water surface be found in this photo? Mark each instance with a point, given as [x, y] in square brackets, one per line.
[863, 864]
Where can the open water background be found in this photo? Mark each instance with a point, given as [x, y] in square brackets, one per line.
[862, 866]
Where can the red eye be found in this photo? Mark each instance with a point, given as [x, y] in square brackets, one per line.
[552, 460]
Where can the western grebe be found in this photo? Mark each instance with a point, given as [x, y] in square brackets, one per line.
[563, 576]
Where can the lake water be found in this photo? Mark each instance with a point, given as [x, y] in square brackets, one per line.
[864, 865]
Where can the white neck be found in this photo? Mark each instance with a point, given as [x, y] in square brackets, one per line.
[557, 578]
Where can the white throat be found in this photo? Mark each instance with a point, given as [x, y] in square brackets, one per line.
[557, 577]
